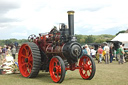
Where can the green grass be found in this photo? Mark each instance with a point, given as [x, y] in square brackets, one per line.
[106, 74]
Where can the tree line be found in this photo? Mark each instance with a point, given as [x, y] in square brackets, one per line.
[12, 41]
[82, 39]
[86, 39]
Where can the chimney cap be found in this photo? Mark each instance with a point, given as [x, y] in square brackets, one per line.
[70, 12]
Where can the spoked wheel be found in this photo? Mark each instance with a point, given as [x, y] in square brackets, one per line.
[31, 38]
[29, 60]
[87, 70]
[57, 69]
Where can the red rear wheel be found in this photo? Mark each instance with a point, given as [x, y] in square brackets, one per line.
[28, 59]
[87, 70]
[57, 69]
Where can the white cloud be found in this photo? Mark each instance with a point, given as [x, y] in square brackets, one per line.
[19, 34]
[91, 16]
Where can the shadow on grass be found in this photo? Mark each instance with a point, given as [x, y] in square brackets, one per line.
[42, 76]
[68, 79]
[46, 78]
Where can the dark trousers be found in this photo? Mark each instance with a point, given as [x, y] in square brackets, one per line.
[121, 59]
[111, 58]
[13, 56]
[93, 56]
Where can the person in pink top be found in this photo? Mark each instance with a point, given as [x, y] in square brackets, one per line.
[100, 51]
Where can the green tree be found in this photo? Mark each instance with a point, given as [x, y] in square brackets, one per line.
[123, 31]
[82, 40]
[90, 39]
[100, 40]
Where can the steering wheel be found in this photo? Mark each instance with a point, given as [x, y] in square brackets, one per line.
[31, 38]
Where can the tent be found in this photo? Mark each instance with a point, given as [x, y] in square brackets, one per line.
[122, 37]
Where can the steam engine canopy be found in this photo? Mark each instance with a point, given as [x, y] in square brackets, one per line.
[72, 51]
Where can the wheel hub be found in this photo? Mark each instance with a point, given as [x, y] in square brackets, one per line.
[54, 69]
[86, 67]
[26, 60]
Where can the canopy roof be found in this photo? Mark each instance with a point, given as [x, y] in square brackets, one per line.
[122, 37]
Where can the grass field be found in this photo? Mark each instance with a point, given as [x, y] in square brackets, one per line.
[106, 74]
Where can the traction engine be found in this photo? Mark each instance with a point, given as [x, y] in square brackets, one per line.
[55, 52]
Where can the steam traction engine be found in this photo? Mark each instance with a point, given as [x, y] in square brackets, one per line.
[55, 52]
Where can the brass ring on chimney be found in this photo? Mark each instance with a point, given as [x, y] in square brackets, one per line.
[70, 12]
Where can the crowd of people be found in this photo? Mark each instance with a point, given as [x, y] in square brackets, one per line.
[106, 53]
[7, 51]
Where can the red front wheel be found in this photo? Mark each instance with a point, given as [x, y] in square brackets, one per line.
[57, 69]
[87, 70]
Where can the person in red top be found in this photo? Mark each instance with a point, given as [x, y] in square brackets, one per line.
[100, 51]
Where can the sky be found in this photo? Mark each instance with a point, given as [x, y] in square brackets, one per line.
[21, 18]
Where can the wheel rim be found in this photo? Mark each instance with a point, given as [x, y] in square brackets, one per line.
[55, 69]
[86, 67]
[31, 38]
[25, 60]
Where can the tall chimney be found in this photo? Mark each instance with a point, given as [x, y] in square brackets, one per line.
[71, 22]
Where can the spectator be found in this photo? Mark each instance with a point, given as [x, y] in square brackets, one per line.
[106, 49]
[87, 49]
[111, 53]
[100, 51]
[84, 51]
[3, 61]
[93, 52]
[4, 50]
[121, 53]
[9, 50]
[13, 52]
[117, 54]
[0, 54]
[0, 50]
[16, 46]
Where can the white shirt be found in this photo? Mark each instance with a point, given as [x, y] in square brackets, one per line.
[106, 48]
[88, 50]
[93, 51]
